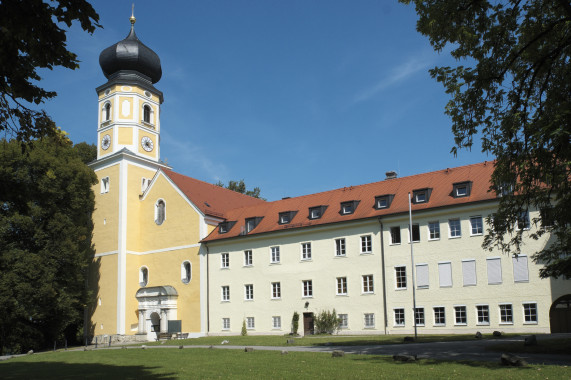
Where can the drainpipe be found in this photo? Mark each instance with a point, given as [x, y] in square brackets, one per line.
[384, 276]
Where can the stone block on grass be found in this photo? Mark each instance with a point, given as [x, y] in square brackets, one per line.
[337, 354]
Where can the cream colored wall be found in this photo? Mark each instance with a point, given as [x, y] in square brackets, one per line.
[103, 284]
[106, 213]
[125, 135]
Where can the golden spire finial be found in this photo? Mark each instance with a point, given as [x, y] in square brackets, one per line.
[132, 18]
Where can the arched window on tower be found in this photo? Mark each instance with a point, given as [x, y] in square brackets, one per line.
[143, 276]
[147, 114]
[185, 272]
[107, 111]
[160, 212]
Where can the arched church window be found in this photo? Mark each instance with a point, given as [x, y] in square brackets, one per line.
[143, 276]
[107, 111]
[147, 114]
[160, 212]
[185, 272]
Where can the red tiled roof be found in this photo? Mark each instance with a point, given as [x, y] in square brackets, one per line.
[441, 182]
[211, 199]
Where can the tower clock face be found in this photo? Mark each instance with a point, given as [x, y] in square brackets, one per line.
[147, 143]
[106, 142]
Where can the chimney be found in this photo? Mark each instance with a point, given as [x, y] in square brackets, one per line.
[391, 175]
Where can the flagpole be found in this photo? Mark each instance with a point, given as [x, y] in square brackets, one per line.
[412, 261]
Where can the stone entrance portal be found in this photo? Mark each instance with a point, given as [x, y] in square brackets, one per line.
[157, 305]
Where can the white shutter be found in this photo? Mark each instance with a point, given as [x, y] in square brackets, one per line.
[422, 275]
[445, 274]
[494, 271]
[521, 273]
[469, 272]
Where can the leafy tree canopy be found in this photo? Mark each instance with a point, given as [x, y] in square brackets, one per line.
[46, 203]
[240, 187]
[32, 37]
[512, 88]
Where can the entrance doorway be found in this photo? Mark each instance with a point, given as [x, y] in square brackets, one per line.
[560, 315]
[308, 324]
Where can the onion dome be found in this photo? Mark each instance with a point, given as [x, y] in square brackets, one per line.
[131, 54]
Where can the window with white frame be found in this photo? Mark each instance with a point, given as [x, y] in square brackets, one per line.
[506, 314]
[147, 114]
[306, 251]
[469, 272]
[395, 235]
[433, 230]
[400, 277]
[249, 292]
[366, 244]
[462, 189]
[454, 228]
[276, 290]
[104, 185]
[225, 323]
[523, 221]
[307, 288]
[439, 316]
[185, 272]
[521, 273]
[225, 260]
[160, 212]
[419, 316]
[107, 111]
[145, 182]
[399, 317]
[368, 286]
[483, 314]
[250, 323]
[275, 255]
[276, 322]
[530, 312]
[460, 315]
[143, 276]
[494, 270]
[340, 247]
[422, 280]
[476, 225]
[343, 321]
[248, 258]
[226, 293]
[445, 274]
[415, 233]
[369, 320]
[341, 286]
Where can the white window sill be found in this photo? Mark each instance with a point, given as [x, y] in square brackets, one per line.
[400, 289]
[276, 299]
[366, 253]
[506, 323]
[305, 260]
[483, 324]
[398, 326]
[454, 237]
[435, 239]
[419, 325]
[422, 287]
[369, 327]
[248, 300]
[225, 301]
[439, 325]
[275, 263]
[224, 267]
[247, 266]
[530, 323]
[367, 293]
[394, 244]
[342, 295]
[494, 283]
[460, 324]
[336, 256]
[476, 234]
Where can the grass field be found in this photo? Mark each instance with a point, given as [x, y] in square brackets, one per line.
[198, 363]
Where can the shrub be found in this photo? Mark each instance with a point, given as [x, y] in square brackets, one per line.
[326, 322]
[244, 330]
[295, 323]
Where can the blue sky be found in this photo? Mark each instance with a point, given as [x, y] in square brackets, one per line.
[295, 97]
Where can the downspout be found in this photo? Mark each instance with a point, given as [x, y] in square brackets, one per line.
[207, 292]
[384, 277]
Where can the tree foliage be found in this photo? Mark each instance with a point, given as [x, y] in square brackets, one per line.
[512, 88]
[240, 187]
[46, 204]
[32, 37]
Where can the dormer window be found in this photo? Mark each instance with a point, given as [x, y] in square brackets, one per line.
[462, 189]
[251, 223]
[348, 207]
[421, 195]
[383, 201]
[316, 212]
[224, 227]
[286, 217]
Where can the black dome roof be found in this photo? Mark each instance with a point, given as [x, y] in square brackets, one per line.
[131, 54]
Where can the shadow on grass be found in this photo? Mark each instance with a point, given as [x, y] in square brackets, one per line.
[60, 370]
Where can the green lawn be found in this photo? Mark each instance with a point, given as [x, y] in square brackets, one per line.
[172, 363]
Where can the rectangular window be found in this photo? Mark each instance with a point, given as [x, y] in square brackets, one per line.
[250, 324]
[104, 185]
[225, 260]
[339, 247]
[249, 292]
[347, 208]
[483, 314]
[276, 290]
[415, 233]
[399, 317]
[383, 201]
[395, 235]
[494, 270]
[469, 272]
[225, 293]
[369, 320]
[341, 286]
[366, 244]
[530, 312]
[439, 316]
[225, 323]
[460, 315]
[400, 277]
[477, 228]
[277, 322]
[422, 280]
[343, 320]
[306, 251]
[445, 274]
[307, 290]
[419, 316]
[454, 227]
[523, 221]
[368, 284]
[462, 189]
[506, 314]
[316, 212]
[248, 259]
[547, 217]
[275, 255]
[433, 230]
[521, 273]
